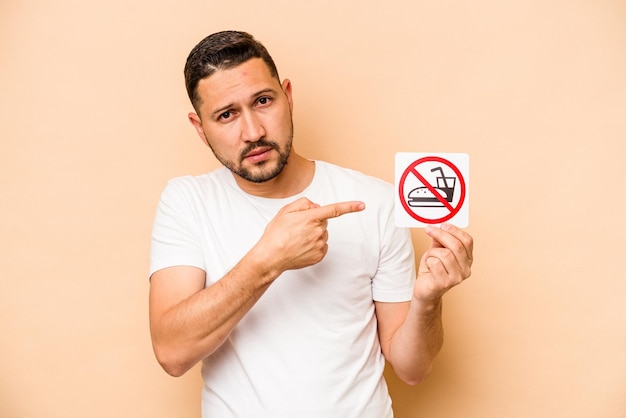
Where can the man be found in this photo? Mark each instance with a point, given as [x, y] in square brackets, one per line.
[286, 277]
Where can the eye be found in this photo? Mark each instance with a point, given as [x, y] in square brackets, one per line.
[226, 115]
[264, 100]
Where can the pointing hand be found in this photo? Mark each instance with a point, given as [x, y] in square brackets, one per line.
[297, 236]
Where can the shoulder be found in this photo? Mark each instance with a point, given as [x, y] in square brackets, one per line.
[196, 186]
[196, 194]
[342, 184]
[354, 178]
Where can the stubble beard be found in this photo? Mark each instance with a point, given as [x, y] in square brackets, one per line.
[262, 171]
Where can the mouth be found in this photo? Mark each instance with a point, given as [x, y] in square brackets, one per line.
[258, 154]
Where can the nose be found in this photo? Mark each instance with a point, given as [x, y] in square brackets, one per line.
[252, 127]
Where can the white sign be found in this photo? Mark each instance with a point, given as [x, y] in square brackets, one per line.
[432, 189]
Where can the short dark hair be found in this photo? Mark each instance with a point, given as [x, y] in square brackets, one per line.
[219, 51]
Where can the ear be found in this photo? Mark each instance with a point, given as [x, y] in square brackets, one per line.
[288, 92]
[197, 124]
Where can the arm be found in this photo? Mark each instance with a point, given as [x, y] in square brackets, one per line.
[411, 333]
[188, 322]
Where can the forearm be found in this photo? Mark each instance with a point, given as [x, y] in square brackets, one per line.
[417, 341]
[413, 345]
[194, 328]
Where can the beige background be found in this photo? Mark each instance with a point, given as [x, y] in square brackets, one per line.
[93, 122]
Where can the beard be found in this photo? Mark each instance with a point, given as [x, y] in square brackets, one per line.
[262, 171]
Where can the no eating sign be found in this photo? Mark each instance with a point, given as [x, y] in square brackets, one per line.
[432, 189]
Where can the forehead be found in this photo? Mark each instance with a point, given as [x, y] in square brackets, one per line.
[235, 84]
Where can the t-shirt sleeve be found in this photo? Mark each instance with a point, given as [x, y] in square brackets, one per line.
[175, 241]
[395, 275]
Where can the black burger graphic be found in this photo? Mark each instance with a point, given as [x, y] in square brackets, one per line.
[433, 196]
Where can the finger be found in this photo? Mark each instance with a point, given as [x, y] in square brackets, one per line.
[337, 209]
[300, 204]
[461, 235]
[453, 238]
[455, 271]
[437, 268]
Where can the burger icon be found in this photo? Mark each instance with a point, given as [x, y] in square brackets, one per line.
[433, 196]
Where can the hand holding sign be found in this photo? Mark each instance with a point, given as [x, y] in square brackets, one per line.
[445, 264]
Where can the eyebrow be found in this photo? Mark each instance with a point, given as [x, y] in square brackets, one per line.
[224, 108]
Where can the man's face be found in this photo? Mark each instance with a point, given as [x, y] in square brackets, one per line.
[245, 118]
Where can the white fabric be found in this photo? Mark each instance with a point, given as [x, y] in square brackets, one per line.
[309, 347]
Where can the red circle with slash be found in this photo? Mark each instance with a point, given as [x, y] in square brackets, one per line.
[411, 169]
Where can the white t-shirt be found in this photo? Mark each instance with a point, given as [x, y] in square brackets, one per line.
[309, 347]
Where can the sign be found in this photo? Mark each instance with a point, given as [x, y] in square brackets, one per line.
[432, 189]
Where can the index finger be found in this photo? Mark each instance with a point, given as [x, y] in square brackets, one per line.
[335, 210]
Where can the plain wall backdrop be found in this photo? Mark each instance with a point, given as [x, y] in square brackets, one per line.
[93, 122]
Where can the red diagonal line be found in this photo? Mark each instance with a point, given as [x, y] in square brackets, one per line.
[432, 190]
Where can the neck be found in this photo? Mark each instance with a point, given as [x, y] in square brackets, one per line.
[295, 177]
